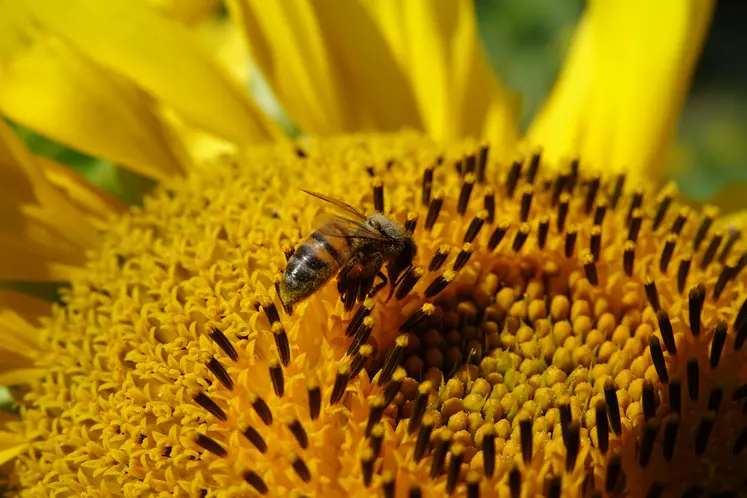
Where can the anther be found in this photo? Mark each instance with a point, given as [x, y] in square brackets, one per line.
[439, 453]
[740, 326]
[260, 407]
[534, 163]
[514, 482]
[423, 438]
[572, 446]
[617, 190]
[667, 333]
[270, 310]
[222, 341]
[394, 385]
[281, 341]
[299, 466]
[739, 393]
[526, 202]
[740, 443]
[255, 481]
[363, 311]
[636, 202]
[565, 200]
[411, 222]
[570, 240]
[543, 228]
[704, 432]
[220, 373]
[394, 358]
[288, 250]
[705, 225]
[211, 406]
[554, 486]
[521, 236]
[590, 268]
[733, 237]
[427, 185]
[558, 186]
[715, 399]
[341, 383]
[655, 490]
[463, 256]
[498, 234]
[679, 222]
[693, 379]
[711, 251]
[717, 343]
[614, 472]
[628, 257]
[512, 179]
[474, 227]
[254, 437]
[490, 205]
[388, 484]
[599, 212]
[657, 356]
[473, 485]
[377, 439]
[573, 176]
[675, 396]
[603, 427]
[408, 282]
[433, 210]
[634, 229]
[488, 452]
[376, 408]
[359, 360]
[652, 294]
[378, 194]
[661, 211]
[367, 465]
[591, 194]
[682, 272]
[277, 378]
[439, 283]
[481, 163]
[525, 431]
[141, 438]
[666, 252]
[564, 409]
[211, 445]
[648, 400]
[418, 406]
[647, 442]
[595, 241]
[455, 464]
[361, 336]
[727, 273]
[613, 408]
[415, 491]
[439, 257]
[465, 193]
[418, 317]
[670, 435]
[300, 152]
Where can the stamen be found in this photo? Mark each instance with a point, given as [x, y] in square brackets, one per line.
[393, 387]
[377, 439]
[603, 426]
[572, 446]
[554, 487]
[570, 240]
[595, 242]
[222, 341]
[667, 334]
[634, 229]
[680, 220]
[534, 163]
[455, 464]
[475, 226]
[562, 212]
[733, 237]
[573, 176]
[740, 326]
[727, 272]
[704, 433]
[648, 400]
[613, 408]
[526, 202]
[470, 162]
[255, 481]
[211, 445]
[741, 443]
[300, 152]
[717, 343]
[564, 408]
[418, 406]
[675, 396]
[693, 379]
[388, 484]
[378, 194]
[424, 436]
[739, 393]
[281, 341]
[270, 309]
[433, 210]
[473, 485]
[439, 257]
[666, 253]
[439, 283]
[682, 272]
[260, 407]
[220, 373]
[488, 451]
[465, 193]
[652, 293]
[367, 465]
[376, 408]
[482, 162]
[276, 377]
[590, 268]
[711, 251]
[514, 482]
[427, 185]
[617, 190]
[656, 490]
[628, 257]
[412, 222]
[439, 453]
[614, 473]
[557, 188]
[525, 431]
[490, 205]
[512, 179]
[657, 356]
[705, 225]
[542, 231]
[670, 435]
[363, 311]
[254, 437]
[418, 317]
[409, 281]
[359, 360]
[394, 358]
[463, 256]
[715, 399]
[635, 205]
[521, 237]
[498, 234]
[341, 383]
[591, 194]
[661, 211]
[211, 406]
[300, 467]
[415, 491]
[599, 212]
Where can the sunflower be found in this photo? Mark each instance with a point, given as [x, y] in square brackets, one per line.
[568, 326]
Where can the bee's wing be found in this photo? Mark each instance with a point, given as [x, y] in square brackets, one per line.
[349, 210]
[334, 225]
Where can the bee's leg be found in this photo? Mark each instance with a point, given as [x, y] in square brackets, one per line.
[396, 283]
[380, 285]
[348, 283]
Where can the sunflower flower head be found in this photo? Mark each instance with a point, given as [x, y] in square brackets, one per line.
[559, 333]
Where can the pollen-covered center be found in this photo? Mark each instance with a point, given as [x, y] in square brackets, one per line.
[556, 334]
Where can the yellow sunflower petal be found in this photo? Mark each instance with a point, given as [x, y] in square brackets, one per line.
[162, 57]
[20, 344]
[11, 445]
[622, 90]
[186, 11]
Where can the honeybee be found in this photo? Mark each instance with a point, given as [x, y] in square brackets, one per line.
[353, 246]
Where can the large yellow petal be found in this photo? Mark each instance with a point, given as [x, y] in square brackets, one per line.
[618, 99]
[11, 445]
[20, 337]
[162, 57]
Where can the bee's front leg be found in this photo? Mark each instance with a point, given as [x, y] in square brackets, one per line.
[380, 285]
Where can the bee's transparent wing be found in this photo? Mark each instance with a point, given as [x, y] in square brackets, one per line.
[334, 225]
[349, 210]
